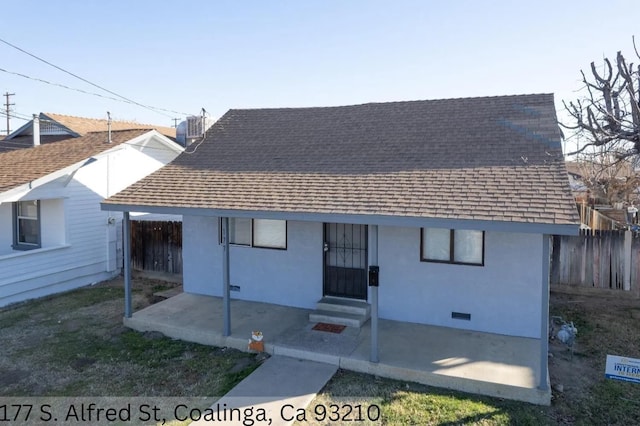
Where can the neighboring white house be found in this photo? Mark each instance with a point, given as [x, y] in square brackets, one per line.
[52, 127]
[454, 200]
[53, 234]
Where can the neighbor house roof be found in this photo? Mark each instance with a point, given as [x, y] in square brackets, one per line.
[58, 127]
[26, 141]
[83, 125]
[25, 165]
[490, 158]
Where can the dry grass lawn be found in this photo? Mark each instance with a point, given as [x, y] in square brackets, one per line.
[74, 344]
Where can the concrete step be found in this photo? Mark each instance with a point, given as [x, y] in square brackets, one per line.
[347, 306]
[341, 318]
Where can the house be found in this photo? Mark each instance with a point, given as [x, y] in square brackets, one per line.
[56, 127]
[53, 234]
[434, 212]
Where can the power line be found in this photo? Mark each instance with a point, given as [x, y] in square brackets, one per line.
[150, 108]
[25, 117]
[16, 115]
[82, 91]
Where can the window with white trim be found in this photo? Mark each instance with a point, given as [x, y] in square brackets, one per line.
[26, 225]
[263, 233]
[462, 246]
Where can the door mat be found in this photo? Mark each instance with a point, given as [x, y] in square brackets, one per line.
[331, 328]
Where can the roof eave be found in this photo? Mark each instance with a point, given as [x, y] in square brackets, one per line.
[407, 221]
[165, 140]
[18, 192]
[19, 130]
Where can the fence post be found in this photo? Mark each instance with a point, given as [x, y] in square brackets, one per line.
[627, 260]
[555, 259]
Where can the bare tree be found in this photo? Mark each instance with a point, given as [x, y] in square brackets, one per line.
[607, 117]
[609, 181]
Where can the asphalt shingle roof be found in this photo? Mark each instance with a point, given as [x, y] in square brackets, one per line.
[26, 141]
[491, 158]
[20, 166]
[79, 125]
[83, 125]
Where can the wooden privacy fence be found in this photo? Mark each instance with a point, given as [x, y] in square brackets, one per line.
[156, 246]
[600, 259]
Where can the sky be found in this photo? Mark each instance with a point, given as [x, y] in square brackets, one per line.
[188, 55]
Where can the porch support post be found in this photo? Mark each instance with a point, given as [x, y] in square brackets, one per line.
[126, 241]
[226, 295]
[544, 317]
[627, 260]
[373, 292]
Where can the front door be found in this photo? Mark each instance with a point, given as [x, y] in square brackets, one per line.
[345, 260]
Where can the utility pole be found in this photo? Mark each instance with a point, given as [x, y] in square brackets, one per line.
[8, 109]
[175, 122]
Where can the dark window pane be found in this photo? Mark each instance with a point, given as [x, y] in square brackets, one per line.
[27, 231]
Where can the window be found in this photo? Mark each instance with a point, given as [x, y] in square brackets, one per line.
[270, 233]
[452, 246]
[264, 233]
[26, 225]
[239, 231]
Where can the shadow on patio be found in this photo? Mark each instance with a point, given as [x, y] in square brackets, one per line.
[484, 363]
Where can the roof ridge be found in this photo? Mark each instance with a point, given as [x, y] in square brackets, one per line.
[99, 119]
[460, 98]
[119, 131]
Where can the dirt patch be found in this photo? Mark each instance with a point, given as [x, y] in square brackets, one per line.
[606, 324]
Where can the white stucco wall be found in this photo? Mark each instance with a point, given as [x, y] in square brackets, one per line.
[503, 296]
[291, 277]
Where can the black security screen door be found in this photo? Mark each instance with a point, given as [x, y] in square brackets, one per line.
[345, 260]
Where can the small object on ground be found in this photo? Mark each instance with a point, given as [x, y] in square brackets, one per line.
[331, 328]
[566, 334]
[256, 343]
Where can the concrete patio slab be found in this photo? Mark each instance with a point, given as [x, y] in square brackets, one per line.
[483, 363]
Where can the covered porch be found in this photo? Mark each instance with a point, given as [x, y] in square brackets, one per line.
[484, 363]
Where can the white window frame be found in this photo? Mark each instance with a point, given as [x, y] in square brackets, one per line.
[21, 245]
[451, 249]
[252, 235]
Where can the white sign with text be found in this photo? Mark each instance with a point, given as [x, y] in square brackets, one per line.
[622, 368]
